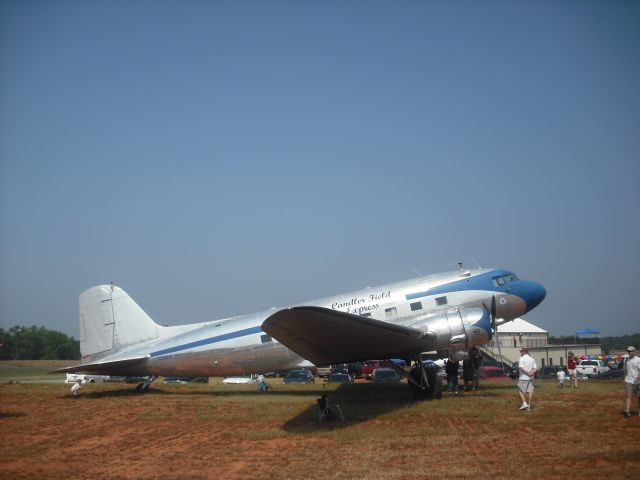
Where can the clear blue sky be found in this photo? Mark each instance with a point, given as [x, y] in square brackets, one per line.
[221, 157]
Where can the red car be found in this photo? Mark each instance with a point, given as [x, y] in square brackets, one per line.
[493, 373]
[370, 365]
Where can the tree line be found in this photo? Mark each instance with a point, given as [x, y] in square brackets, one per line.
[37, 343]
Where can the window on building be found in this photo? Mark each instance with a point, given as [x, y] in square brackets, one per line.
[550, 361]
[440, 301]
[416, 306]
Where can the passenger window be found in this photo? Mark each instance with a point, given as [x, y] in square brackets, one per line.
[266, 338]
[440, 301]
[368, 314]
[391, 312]
[416, 306]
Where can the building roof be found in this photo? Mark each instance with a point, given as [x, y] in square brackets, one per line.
[519, 326]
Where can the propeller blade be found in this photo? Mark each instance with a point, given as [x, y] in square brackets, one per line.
[495, 329]
[493, 311]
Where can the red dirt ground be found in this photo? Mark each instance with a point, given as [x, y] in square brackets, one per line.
[194, 432]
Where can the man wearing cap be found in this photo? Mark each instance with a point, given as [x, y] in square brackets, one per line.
[528, 368]
[632, 378]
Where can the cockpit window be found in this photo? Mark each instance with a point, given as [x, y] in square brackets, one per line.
[501, 280]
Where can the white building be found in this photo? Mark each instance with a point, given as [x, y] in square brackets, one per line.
[520, 333]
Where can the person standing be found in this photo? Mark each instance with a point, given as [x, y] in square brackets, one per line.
[476, 359]
[573, 373]
[451, 370]
[632, 379]
[528, 368]
[467, 373]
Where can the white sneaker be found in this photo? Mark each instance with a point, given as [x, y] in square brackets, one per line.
[524, 406]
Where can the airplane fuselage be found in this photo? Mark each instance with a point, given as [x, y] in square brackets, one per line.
[451, 307]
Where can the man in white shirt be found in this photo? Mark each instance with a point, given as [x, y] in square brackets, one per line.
[632, 378]
[528, 369]
[77, 386]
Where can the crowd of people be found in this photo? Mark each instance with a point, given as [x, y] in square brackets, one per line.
[527, 369]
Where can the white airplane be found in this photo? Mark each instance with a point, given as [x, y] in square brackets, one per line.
[448, 313]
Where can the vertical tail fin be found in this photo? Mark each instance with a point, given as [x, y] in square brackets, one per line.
[110, 320]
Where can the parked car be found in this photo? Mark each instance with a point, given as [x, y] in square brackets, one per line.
[611, 373]
[324, 371]
[74, 377]
[186, 380]
[298, 376]
[493, 373]
[431, 365]
[355, 369]
[370, 365]
[339, 378]
[241, 379]
[385, 375]
[550, 372]
[341, 368]
[591, 368]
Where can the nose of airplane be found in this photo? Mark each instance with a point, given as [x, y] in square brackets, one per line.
[531, 292]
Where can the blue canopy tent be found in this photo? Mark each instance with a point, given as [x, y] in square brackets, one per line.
[588, 331]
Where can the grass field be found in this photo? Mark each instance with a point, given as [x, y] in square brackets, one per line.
[233, 432]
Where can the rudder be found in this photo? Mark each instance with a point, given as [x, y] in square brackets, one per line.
[110, 320]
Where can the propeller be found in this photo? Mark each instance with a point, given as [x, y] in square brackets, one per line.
[495, 329]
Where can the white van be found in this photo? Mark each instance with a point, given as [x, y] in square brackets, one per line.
[74, 377]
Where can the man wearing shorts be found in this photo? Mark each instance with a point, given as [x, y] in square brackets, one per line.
[632, 378]
[528, 369]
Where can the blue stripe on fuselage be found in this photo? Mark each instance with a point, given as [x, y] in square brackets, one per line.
[479, 282]
[208, 341]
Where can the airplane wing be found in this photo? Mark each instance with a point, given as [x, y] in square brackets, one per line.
[326, 336]
[114, 367]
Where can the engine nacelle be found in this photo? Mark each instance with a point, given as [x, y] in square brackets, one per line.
[457, 329]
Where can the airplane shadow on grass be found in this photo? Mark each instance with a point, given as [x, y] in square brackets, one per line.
[364, 402]
[358, 403]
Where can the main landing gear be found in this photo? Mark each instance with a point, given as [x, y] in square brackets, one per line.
[144, 386]
[424, 382]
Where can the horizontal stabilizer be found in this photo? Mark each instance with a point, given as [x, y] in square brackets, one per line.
[126, 366]
[326, 336]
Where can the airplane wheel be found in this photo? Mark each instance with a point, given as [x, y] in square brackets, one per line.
[437, 391]
[429, 393]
